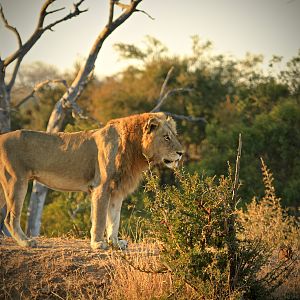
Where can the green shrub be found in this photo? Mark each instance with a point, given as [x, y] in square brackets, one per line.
[191, 220]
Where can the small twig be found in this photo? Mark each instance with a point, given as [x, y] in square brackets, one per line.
[122, 5]
[8, 26]
[40, 29]
[163, 87]
[237, 172]
[56, 295]
[71, 15]
[144, 12]
[54, 10]
[163, 95]
[167, 95]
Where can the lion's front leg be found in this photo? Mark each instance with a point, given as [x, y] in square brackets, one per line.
[113, 223]
[100, 202]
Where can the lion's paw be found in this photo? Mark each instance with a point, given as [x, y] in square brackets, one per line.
[30, 243]
[102, 245]
[120, 244]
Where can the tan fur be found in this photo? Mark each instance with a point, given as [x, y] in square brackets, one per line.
[108, 163]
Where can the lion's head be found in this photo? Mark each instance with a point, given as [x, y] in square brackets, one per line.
[160, 143]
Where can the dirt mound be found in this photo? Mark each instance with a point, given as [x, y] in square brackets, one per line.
[58, 268]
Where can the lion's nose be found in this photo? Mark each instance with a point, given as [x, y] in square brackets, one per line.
[180, 153]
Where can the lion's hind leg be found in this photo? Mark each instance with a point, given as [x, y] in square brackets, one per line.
[2, 211]
[2, 197]
[15, 189]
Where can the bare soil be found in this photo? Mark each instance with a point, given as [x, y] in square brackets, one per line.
[59, 268]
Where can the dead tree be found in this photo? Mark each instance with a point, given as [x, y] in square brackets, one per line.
[68, 102]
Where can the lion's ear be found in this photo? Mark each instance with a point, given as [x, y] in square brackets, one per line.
[151, 125]
[172, 123]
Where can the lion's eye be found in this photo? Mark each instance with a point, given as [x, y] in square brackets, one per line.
[167, 138]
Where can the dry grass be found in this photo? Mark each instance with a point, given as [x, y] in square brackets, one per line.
[64, 268]
[265, 220]
[138, 274]
[57, 269]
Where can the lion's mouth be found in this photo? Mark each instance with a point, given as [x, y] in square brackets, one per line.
[171, 163]
[166, 161]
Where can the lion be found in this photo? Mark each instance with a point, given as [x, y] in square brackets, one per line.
[107, 163]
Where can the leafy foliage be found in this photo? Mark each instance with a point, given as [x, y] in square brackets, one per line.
[190, 219]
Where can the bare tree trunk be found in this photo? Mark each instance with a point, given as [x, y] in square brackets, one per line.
[68, 101]
[4, 104]
[38, 195]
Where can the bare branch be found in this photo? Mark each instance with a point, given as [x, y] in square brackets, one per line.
[127, 6]
[54, 10]
[71, 15]
[40, 29]
[37, 87]
[15, 31]
[144, 12]
[111, 12]
[42, 15]
[164, 95]
[70, 103]
[8, 26]
[122, 5]
[163, 87]
[169, 94]
[128, 11]
[14, 74]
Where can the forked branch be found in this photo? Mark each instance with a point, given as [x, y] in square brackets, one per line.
[10, 27]
[164, 95]
[39, 30]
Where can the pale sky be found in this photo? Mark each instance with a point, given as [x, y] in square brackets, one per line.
[234, 26]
